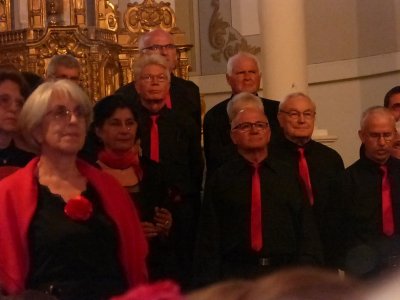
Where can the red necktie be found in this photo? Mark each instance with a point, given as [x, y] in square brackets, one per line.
[387, 211]
[167, 100]
[256, 224]
[154, 142]
[305, 176]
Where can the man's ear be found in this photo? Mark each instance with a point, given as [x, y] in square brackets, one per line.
[228, 78]
[361, 135]
[233, 137]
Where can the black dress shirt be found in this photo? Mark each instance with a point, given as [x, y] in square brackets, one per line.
[370, 251]
[218, 146]
[326, 171]
[289, 232]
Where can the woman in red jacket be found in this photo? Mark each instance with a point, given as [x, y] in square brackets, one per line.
[66, 228]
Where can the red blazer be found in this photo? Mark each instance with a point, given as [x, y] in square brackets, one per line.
[18, 200]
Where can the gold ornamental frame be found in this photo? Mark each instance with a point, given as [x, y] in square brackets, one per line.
[106, 51]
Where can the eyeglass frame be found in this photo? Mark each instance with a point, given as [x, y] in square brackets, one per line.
[295, 114]
[159, 48]
[377, 136]
[150, 78]
[62, 114]
[258, 126]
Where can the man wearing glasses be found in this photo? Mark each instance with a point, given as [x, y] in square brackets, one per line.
[173, 141]
[373, 198]
[243, 74]
[64, 67]
[184, 95]
[254, 219]
[319, 170]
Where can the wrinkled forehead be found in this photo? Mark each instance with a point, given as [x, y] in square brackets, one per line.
[299, 103]
[158, 38]
[249, 114]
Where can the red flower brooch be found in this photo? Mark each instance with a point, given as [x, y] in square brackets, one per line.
[79, 208]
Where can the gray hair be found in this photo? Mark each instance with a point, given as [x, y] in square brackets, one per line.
[67, 61]
[36, 106]
[376, 110]
[294, 95]
[241, 101]
[153, 59]
[233, 59]
[148, 35]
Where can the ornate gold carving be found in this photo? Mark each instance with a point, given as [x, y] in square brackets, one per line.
[78, 12]
[5, 16]
[107, 15]
[106, 52]
[225, 39]
[143, 17]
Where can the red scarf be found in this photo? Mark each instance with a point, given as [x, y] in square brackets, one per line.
[122, 161]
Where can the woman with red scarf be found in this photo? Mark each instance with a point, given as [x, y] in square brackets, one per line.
[115, 124]
[66, 228]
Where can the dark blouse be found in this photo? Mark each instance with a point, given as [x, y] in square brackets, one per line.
[73, 259]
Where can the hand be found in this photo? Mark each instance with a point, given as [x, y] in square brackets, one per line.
[150, 230]
[163, 220]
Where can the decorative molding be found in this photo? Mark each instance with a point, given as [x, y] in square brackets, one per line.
[145, 16]
[224, 38]
[5, 15]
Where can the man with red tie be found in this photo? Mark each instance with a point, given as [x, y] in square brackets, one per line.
[254, 218]
[172, 140]
[183, 96]
[373, 197]
[319, 170]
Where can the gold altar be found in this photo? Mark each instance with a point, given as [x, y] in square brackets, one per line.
[91, 31]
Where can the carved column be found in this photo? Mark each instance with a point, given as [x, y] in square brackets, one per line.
[37, 13]
[5, 17]
[282, 27]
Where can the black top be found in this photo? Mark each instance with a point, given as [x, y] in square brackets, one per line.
[182, 168]
[13, 156]
[218, 146]
[180, 149]
[78, 258]
[185, 97]
[369, 249]
[326, 171]
[223, 248]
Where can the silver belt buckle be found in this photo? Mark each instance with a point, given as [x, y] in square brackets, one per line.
[263, 261]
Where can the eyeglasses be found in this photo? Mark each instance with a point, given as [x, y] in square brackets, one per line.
[247, 126]
[63, 115]
[159, 48]
[72, 78]
[294, 114]
[151, 78]
[387, 136]
[6, 101]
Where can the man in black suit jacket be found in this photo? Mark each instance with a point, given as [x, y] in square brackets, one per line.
[325, 167]
[373, 247]
[243, 75]
[184, 95]
[179, 157]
